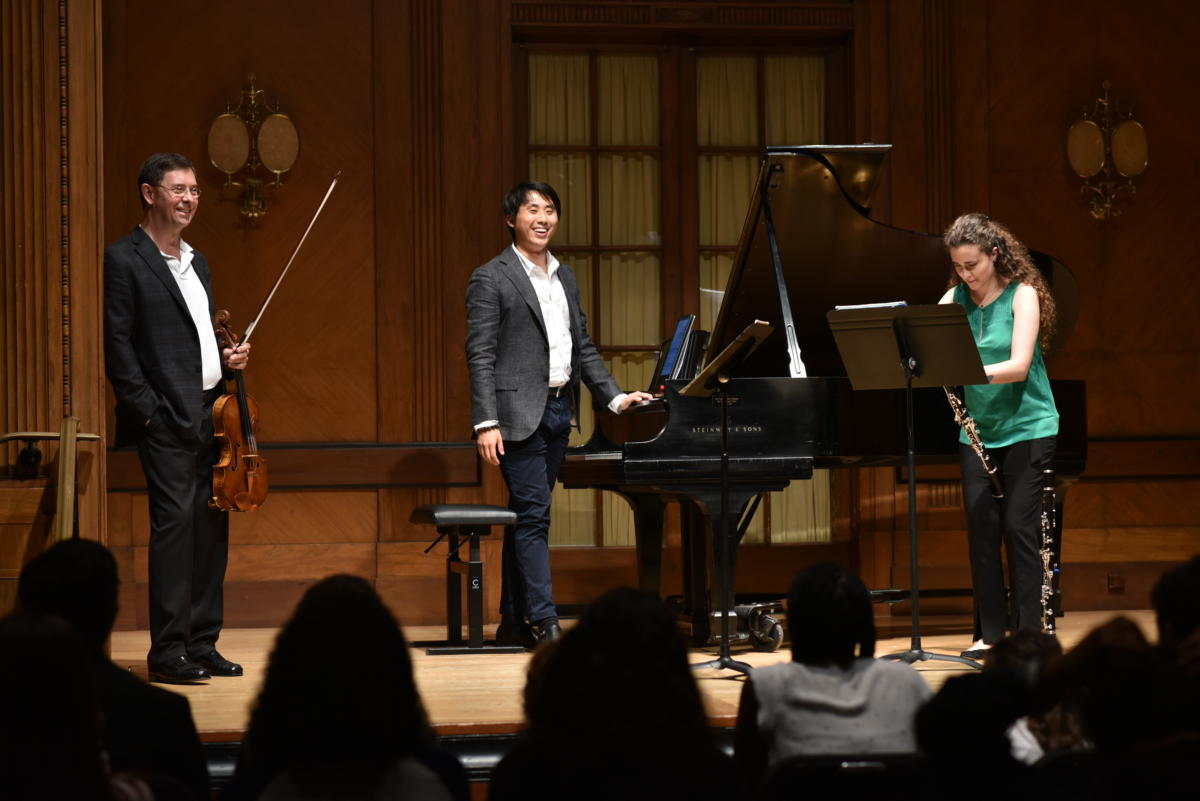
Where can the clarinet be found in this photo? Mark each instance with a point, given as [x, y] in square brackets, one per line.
[1049, 567]
[967, 423]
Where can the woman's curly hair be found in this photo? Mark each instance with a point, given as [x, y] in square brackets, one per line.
[1012, 262]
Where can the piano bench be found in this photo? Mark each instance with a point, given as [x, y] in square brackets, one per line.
[464, 524]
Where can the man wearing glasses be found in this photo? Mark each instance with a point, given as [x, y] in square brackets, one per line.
[166, 370]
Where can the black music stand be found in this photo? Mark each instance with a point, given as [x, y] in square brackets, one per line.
[892, 346]
[713, 378]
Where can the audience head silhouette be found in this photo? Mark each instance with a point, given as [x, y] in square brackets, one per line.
[613, 712]
[1177, 603]
[49, 727]
[830, 616]
[621, 672]
[76, 580]
[339, 686]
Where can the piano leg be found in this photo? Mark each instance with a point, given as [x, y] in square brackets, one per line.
[649, 511]
[695, 570]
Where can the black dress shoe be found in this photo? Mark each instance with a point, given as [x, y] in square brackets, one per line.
[511, 632]
[179, 670]
[217, 665]
[547, 630]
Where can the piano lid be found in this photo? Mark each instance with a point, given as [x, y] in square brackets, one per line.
[834, 254]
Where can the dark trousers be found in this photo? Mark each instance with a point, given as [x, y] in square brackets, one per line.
[1016, 521]
[530, 468]
[189, 542]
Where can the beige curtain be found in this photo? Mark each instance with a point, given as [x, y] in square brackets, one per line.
[795, 91]
[627, 192]
[558, 99]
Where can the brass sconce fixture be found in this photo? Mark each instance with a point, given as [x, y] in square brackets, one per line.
[248, 136]
[1107, 151]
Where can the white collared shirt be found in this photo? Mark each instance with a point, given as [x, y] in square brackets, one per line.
[555, 312]
[197, 302]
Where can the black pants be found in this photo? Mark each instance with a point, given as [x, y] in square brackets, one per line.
[189, 542]
[530, 468]
[1015, 520]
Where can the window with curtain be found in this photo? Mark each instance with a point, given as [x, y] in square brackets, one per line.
[596, 133]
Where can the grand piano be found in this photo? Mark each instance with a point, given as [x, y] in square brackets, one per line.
[808, 244]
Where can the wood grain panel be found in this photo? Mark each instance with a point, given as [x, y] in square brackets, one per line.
[350, 465]
[1121, 504]
[421, 601]
[1132, 544]
[404, 559]
[310, 561]
[313, 367]
[26, 501]
[292, 518]
[308, 517]
[252, 604]
[1110, 585]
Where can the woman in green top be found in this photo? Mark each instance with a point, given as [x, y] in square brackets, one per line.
[1011, 313]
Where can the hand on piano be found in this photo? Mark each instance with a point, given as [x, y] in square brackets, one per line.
[636, 397]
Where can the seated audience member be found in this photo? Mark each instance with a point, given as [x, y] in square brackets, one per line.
[962, 732]
[146, 730]
[49, 724]
[338, 716]
[834, 697]
[1176, 599]
[1048, 726]
[613, 712]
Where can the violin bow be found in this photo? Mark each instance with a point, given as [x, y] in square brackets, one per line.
[279, 280]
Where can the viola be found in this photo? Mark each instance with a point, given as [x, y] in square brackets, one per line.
[240, 475]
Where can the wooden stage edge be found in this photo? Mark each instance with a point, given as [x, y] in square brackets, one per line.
[480, 694]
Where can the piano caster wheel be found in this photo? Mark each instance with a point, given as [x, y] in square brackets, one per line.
[767, 634]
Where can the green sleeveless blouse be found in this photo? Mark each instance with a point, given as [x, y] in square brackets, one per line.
[1006, 413]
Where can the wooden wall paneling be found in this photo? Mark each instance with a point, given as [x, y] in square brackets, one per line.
[313, 367]
[401, 204]
[970, 120]
[413, 583]
[348, 465]
[478, 109]
[49, 215]
[939, 131]
[907, 116]
[32, 369]
[1134, 344]
[82, 230]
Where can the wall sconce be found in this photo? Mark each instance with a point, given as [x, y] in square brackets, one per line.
[246, 137]
[1107, 152]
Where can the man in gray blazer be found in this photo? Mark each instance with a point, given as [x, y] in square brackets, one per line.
[162, 359]
[527, 351]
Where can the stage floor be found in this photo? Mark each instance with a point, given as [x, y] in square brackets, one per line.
[481, 693]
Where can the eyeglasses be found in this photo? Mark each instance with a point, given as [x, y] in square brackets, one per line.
[179, 190]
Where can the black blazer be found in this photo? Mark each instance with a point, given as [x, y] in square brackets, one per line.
[151, 346]
[150, 730]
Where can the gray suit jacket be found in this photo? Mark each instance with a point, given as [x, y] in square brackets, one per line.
[151, 347]
[508, 350]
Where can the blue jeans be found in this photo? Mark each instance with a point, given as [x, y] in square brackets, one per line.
[530, 468]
